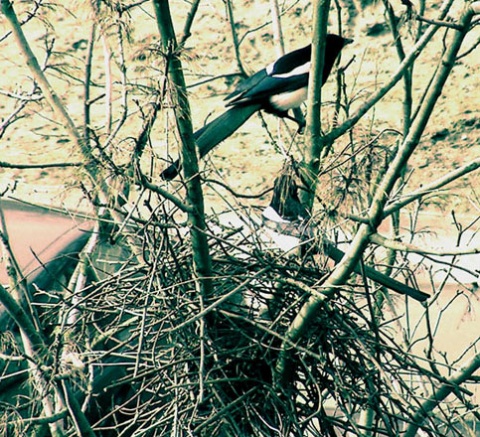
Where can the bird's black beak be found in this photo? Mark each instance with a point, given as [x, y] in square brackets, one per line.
[347, 41]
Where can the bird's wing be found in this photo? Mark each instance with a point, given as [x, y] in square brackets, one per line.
[287, 73]
[267, 87]
[247, 84]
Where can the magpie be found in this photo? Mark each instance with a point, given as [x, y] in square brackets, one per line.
[288, 216]
[276, 89]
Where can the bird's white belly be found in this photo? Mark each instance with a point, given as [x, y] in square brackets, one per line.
[289, 100]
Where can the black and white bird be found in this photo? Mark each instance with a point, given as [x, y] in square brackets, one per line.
[276, 89]
[289, 218]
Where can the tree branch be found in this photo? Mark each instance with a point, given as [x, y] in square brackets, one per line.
[458, 378]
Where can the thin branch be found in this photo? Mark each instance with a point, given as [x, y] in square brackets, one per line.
[440, 393]
[432, 187]
[236, 43]
[439, 23]
[410, 248]
[4, 164]
[166, 194]
[188, 23]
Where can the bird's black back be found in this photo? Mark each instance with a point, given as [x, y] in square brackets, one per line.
[276, 78]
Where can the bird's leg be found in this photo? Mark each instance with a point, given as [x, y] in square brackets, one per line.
[301, 126]
[300, 120]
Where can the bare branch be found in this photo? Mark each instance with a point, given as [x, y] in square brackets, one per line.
[440, 393]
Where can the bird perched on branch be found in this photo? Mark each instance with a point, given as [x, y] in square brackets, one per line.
[287, 216]
[276, 89]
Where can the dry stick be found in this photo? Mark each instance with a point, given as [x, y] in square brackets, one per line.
[108, 85]
[23, 101]
[124, 89]
[407, 76]
[88, 76]
[361, 239]
[280, 51]
[95, 5]
[164, 193]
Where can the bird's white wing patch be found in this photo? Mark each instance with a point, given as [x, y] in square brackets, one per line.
[270, 68]
[298, 71]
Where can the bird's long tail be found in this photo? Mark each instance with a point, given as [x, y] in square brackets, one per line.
[214, 133]
[336, 254]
